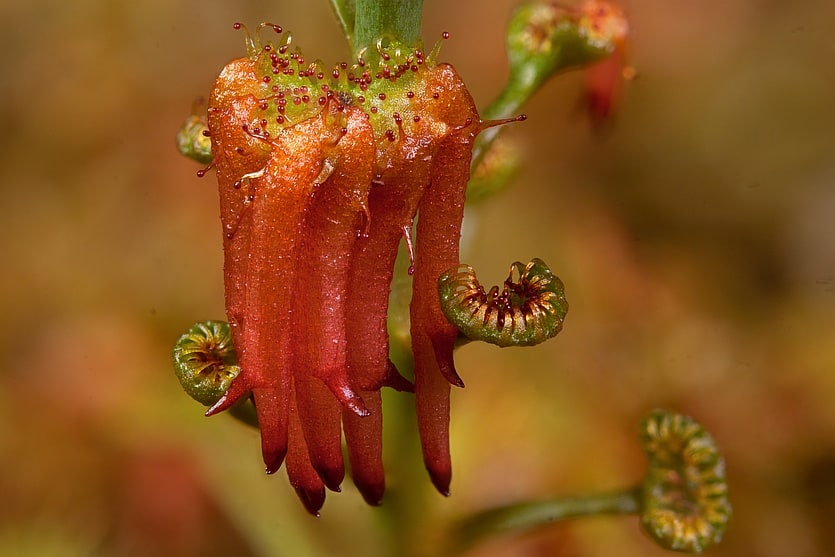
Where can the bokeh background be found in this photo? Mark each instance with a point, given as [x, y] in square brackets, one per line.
[695, 233]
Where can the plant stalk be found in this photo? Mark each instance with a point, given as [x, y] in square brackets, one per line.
[527, 515]
[395, 19]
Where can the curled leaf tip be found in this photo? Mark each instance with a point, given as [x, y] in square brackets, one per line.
[527, 310]
[544, 38]
[685, 493]
[205, 362]
[602, 23]
[193, 139]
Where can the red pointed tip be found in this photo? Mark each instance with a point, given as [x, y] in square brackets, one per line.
[218, 407]
[372, 492]
[312, 499]
[440, 471]
[332, 477]
[449, 373]
[348, 398]
[364, 438]
[443, 356]
[441, 480]
[273, 423]
[396, 381]
[228, 400]
[273, 460]
[357, 406]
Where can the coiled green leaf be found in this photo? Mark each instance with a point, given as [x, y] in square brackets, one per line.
[193, 140]
[528, 310]
[685, 493]
[205, 362]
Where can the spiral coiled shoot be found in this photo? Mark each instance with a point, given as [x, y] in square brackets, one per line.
[205, 362]
[682, 502]
[193, 139]
[685, 492]
[527, 310]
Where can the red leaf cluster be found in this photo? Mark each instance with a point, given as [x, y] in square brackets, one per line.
[319, 180]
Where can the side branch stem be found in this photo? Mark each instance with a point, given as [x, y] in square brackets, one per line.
[527, 515]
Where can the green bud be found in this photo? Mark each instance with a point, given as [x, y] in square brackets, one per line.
[205, 362]
[192, 142]
[685, 492]
[544, 39]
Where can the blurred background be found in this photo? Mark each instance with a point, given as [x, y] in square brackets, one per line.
[694, 230]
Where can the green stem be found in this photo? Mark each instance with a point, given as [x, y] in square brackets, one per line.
[523, 516]
[543, 40]
[404, 504]
[345, 11]
[396, 19]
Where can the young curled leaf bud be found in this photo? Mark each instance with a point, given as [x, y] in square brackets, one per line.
[685, 493]
[605, 23]
[544, 38]
[527, 311]
[193, 139]
[682, 502]
[602, 24]
[205, 362]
